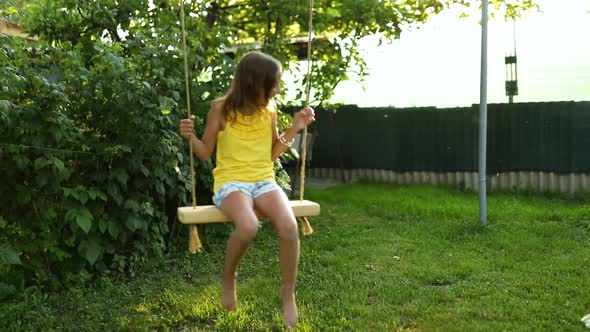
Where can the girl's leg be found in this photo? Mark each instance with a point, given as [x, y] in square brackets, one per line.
[275, 205]
[239, 207]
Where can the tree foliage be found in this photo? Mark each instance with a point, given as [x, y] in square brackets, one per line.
[279, 27]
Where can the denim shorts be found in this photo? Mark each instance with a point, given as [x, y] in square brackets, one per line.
[252, 189]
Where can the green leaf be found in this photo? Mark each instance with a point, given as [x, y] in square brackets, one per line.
[83, 197]
[92, 251]
[50, 214]
[101, 195]
[102, 225]
[5, 105]
[113, 229]
[91, 194]
[40, 163]
[148, 209]
[333, 13]
[160, 188]
[134, 223]
[9, 257]
[144, 170]
[11, 10]
[60, 254]
[71, 215]
[121, 176]
[57, 133]
[85, 275]
[59, 165]
[123, 148]
[131, 205]
[165, 111]
[84, 219]
[113, 190]
[41, 180]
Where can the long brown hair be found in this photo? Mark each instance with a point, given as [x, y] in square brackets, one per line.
[256, 73]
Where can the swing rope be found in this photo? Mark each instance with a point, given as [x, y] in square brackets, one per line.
[307, 230]
[194, 242]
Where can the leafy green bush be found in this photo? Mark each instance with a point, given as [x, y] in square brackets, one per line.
[91, 163]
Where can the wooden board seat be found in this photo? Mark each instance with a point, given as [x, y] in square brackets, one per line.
[205, 214]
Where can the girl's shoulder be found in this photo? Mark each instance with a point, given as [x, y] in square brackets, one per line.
[217, 107]
[217, 104]
[216, 115]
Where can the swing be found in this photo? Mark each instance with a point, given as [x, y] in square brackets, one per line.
[194, 215]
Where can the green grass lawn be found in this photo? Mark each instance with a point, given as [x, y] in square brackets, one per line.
[382, 258]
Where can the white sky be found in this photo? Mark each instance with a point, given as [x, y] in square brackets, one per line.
[439, 64]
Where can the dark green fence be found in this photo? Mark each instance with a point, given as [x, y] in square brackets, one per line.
[547, 137]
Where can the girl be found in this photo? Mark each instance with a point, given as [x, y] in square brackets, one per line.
[243, 125]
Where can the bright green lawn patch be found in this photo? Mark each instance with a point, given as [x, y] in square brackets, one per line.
[382, 258]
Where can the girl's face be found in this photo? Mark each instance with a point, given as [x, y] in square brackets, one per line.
[277, 88]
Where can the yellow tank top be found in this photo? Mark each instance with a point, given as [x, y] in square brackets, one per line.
[244, 150]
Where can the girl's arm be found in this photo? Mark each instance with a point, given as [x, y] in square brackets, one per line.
[204, 147]
[280, 143]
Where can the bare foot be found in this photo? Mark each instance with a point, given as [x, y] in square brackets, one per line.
[228, 293]
[289, 307]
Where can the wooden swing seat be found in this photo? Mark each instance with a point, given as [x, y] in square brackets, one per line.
[205, 214]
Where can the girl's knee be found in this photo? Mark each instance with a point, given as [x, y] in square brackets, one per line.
[287, 229]
[248, 231]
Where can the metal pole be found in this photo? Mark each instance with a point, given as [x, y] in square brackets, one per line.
[483, 113]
